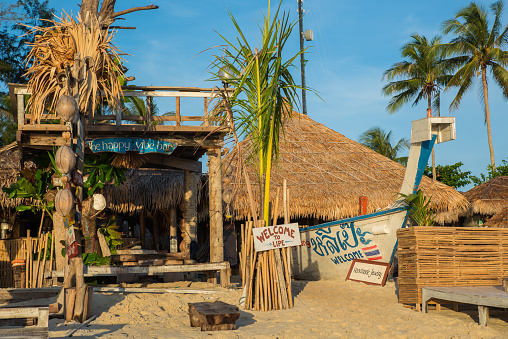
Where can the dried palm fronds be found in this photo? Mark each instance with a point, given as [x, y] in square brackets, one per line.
[490, 197]
[128, 160]
[52, 56]
[327, 173]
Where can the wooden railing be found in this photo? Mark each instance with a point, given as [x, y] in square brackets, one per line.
[25, 121]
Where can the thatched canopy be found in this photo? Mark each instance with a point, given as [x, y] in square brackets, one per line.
[490, 197]
[500, 219]
[9, 169]
[153, 190]
[326, 174]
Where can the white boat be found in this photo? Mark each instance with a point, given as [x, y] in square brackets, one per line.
[328, 249]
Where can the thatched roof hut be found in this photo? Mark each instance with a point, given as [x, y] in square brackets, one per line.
[500, 219]
[490, 197]
[9, 169]
[326, 174]
[152, 190]
[146, 189]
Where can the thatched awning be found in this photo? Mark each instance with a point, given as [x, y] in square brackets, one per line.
[9, 170]
[326, 174]
[153, 190]
[490, 197]
[500, 219]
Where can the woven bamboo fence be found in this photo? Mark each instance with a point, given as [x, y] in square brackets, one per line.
[11, 249]
[450, 256]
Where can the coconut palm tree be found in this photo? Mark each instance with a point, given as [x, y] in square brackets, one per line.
[265, 91]
[379, 141]
[475, 48]
[418, 78]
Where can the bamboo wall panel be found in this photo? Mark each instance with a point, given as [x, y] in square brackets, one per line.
[11, 249]
[450, 256]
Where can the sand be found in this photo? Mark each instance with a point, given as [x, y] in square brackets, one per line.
[323, 309]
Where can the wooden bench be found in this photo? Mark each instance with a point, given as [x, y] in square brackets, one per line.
[214, 316]
[482, 296]
[38, 331]
[93, 271]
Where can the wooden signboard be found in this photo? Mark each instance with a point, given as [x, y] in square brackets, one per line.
[267, 238]
[368, 272]
[122, 145]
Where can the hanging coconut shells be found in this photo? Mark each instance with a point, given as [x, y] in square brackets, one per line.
[64, 202]
[67, 108]
[65, 159]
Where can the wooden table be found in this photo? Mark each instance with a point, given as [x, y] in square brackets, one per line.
[483, 296]
[93, 271]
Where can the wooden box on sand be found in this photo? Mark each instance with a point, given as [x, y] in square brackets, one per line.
[450, 256]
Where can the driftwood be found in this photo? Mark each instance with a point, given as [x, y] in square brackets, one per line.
[214, 316]
[107, 14]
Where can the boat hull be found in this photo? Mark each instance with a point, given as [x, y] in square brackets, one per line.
[327, 250]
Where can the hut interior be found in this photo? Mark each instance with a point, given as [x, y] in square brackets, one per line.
[328, 175]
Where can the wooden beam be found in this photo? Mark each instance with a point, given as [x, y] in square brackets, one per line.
[190, 208]
[215, 203]
[142, 128]
[142, 229]
[174, 162]
[173, 230]
[93, 271]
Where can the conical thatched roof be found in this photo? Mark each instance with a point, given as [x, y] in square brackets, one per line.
[153, 190]
[489, 197]
[500, 219]
[326, 174]
[9, 169]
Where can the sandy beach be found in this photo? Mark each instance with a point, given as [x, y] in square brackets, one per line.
[323, 309]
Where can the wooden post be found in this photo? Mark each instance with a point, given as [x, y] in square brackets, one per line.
[190, 208]
[178, 118]
[28, 266]
[173, 227]
[155, 231]
[206, 122]
[81, 287]
[142, 229]
[59, 232]
[148, 111]
[215, 203]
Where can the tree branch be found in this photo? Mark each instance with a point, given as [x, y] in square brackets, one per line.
[134, 9]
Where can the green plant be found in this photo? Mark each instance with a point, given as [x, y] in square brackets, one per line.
[100, 171]
[491, 173]
[451, 175]
[112, 237]
[265, 91]
[419, 209]
[34, 184]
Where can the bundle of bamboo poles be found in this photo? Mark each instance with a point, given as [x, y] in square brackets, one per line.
[266, 275]
[37, 250]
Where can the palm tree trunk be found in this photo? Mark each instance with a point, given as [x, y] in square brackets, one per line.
[429, 106]
[487, 116]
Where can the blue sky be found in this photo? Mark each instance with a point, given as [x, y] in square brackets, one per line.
[354, 43]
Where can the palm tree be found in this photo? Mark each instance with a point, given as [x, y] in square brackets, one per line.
[265, 91]
[420, 77]
[476, 47]
[379, 141]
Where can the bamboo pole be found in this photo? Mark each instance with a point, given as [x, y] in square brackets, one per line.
[27, 265]
[36, 273]
[40, 276]
[276, 207]
[52, 249]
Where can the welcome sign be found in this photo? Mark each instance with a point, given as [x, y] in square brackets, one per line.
[267, 238]
[122, 145]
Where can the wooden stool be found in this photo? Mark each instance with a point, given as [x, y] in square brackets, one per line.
[214, 316]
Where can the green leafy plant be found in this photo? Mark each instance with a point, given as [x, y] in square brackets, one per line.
[100, 171]
[491, 173]
[419, 209]
[112, 237]
[451, 175]
[34, 184]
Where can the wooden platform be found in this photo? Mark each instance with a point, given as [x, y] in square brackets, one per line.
[93, 271]
[482, 296]
[38, 331]
[214, 316]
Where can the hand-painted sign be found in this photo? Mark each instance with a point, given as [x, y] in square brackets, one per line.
[368, 272]
[122, 145]
[71, 245]
[267, 238]
[68, 220]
